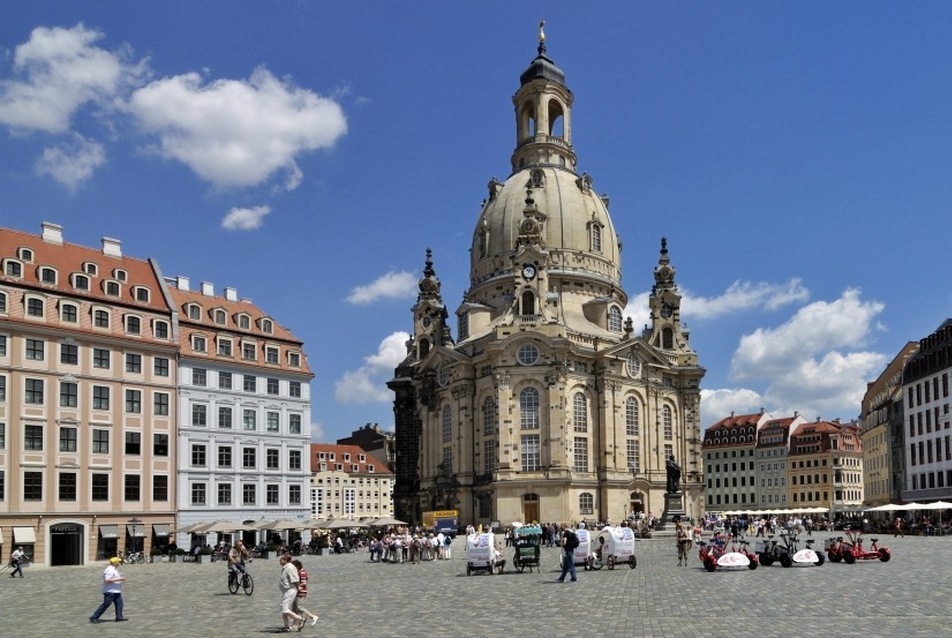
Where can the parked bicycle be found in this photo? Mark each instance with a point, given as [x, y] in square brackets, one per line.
[133, 557]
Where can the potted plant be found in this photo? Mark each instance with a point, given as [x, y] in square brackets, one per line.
[156, 554]
[204, 555]
[176, 554]
[321, 544]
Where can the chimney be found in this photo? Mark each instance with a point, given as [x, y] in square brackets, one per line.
[111, 247]
[182, 283]
[52, 233]
[208, 289]
[231, 294]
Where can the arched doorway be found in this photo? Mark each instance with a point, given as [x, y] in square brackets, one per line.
[66, 544]
[530, 508]
[636, 503]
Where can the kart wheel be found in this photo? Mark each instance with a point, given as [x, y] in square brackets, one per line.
[849, 558]
[632, 562]
[820, 559]
[766, 560]
[710, 565]
[884, 555]
[596, 565]
[786, 561]
[753, 563]
[469, 569]
[834, 558]
[611, 562]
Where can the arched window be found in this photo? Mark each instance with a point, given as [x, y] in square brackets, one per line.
[667, 339]
[614, 319]
[447, 424]
[596, 234]
[580, 412]
[586, 503]
[528, 303]
[556, 119]
[529, 409]
[667, 421]
[632, 415]
[489, 417]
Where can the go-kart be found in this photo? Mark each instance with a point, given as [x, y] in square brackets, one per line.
[785, 552]
[719, 553]
[850, 549]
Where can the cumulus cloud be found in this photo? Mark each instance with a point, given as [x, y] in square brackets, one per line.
[236, 133]
[72, 162]
[815, 362]
[317, 432]
[245, 218]
[395, 285]
[717, 404]
[741, 296]
[367, 384]
[60, 70]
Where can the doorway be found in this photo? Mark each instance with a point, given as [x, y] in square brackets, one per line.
[66, 544]
[530, 508]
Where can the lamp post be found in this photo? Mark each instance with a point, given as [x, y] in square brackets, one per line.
[134, 523]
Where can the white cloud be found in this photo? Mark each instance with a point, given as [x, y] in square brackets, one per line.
[741, 296]
[717, 404]
[71, 163]
[317, 432]
[61, 71]
[238, 132]
[814, 363]
[398, 285]
[367, 384]
[245, 218]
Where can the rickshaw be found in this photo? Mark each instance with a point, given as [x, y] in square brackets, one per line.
[527, 540]
[582, 553]
[614, 546]
[480, 553]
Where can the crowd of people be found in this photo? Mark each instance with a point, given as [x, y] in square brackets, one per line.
[400, 545]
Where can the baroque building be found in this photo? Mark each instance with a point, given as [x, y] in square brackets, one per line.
[349, 482]
[548, 406]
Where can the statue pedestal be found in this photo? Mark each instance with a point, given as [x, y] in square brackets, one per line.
[673, 510]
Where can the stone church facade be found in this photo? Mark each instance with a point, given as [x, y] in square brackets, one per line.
[547, 406]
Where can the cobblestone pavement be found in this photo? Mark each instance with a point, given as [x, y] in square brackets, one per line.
[908, 596]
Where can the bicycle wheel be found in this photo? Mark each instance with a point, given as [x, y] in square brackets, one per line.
[248, 584]
[233, 583]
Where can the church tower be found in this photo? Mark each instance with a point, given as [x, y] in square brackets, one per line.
[547, 407]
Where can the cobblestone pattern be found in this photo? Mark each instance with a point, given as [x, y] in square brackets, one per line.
[908, 596]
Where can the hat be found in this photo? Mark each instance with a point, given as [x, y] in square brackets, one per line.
[115, 560]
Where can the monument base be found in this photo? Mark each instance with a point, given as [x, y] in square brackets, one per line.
[673, 510]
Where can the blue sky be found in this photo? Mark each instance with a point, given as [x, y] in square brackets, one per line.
[798, 156]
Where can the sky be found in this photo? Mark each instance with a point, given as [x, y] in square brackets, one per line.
[797, 156]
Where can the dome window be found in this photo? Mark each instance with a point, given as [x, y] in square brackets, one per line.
[614, 319]
[528, 354]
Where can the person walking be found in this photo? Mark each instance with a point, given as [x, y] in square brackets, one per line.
[16, 559]
[301, 595]
[111, 591]
[288, 584]
[684, 544]
[569, 543]
[898, 527]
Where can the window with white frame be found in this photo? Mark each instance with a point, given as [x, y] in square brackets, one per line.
[35, 307]
[69, 313]
[529, 449]
[120, 274]
[447, 422]
[271, 354]
[133, 325]
[490, 415]
[13, 268]
[249, 419]
[198, 343]
[529, 409]
[81, 282]
[632, 416]
[667, 421]
[633, 454]
[141, 293]
[111, 288]
[69, 354]
[274, 421]
[47, 275]
[224, 347]
[35, 349]
[199, 414]
[90, 268]
[580, 454]
[194, 312]
[160, 329]
[248, 352]
[294, 423]
[224, 417]
[614, 319]
[580, 412]
[100, 318]
[586, 503]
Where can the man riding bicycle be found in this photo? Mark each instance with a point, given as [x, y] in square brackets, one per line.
[236, 558]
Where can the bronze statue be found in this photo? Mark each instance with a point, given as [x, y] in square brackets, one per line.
[674, 475]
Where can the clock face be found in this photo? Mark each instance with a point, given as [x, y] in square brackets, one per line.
[666, 310]
[528, 271]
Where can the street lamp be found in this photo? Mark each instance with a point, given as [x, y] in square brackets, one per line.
[134, 523]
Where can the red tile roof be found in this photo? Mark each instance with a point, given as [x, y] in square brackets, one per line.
[340, 453]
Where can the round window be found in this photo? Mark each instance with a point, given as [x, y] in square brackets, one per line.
[442, 376]
[528, 354]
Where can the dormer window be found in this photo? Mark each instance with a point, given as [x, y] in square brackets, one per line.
[267, 326]
[26, 254]
[13, 268]
[120, 274]
[271, 354]
[370, 469]
[69, 313]
[160, 329]
[294, 360]
[248, 351]
[224, 347]
[3, 303]
[91, 269]
[111, 288]
[80, 282]
[194, 312]
[198, 343]
[220, 317]
[244, 322]
[47, 275]
[133, 325]
[100, 318]
[35, 307]
[141, 293]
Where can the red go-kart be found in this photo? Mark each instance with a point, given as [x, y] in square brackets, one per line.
[718, 554]
[850, 549]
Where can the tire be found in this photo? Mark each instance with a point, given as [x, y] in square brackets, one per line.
[820, 559]
[596, 565]
[632, 562]
[786, 561]
[884, 555]
[469, 569]
[848, 558]
[710, 565]
[611, 562]
[248, 584]
[233, 583]
[753, 564]
[766, 560]
[834, 558]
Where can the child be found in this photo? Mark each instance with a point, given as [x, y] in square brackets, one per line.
[301, 595]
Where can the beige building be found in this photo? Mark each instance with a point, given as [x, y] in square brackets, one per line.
[548, 405]
[87, 399]
[729, 465]
[826, 466]
[348, 482]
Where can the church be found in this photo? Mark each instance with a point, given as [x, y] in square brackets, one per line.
[547, 406]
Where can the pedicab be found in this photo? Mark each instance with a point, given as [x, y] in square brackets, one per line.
[850, 549]
[527, 540]
[614, 546]
[786, 552]
[481, 553]
[582, 553]
[718, 554]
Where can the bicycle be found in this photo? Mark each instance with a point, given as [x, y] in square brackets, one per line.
[242, 580]
[133, 557]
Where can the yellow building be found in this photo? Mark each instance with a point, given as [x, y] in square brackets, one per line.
[826, 466]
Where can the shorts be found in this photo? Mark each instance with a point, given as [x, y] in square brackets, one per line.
[287, 600]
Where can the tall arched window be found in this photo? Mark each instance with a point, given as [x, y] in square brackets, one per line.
[596, 238]
[489, 417]
[586, 503]
[632, 416]
[447, 424]
[667, 421]
[614, 319]
[580, 412]
[667, 339]
[529, 409]
[528, 303]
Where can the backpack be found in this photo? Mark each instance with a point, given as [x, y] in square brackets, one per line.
[571, 540]
[447, 540]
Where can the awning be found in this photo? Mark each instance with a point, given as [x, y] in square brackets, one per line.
[109, 531]
[161, 529]
[136, 531]
[24, 535]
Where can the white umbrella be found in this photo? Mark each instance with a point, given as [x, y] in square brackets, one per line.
[190, 528]
[387, 521]
[281, 525]
[342, 523]
[223, 526]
